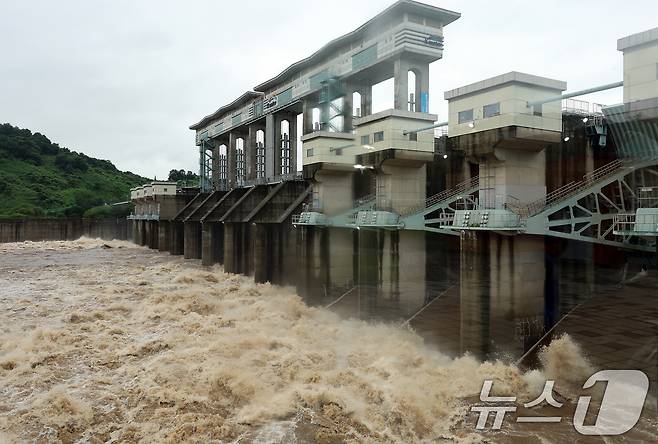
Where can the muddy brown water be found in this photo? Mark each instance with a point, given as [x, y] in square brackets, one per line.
[108, 342]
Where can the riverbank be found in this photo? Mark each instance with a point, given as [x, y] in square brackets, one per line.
[36, 230]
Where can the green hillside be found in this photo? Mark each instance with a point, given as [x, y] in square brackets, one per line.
[38, 178]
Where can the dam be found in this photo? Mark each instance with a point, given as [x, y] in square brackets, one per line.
[482, 230]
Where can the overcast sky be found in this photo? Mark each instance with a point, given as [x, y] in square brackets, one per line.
[123, 79]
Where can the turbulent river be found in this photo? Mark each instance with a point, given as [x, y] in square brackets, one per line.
[109, 342]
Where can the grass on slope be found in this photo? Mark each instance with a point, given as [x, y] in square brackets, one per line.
[39, 178]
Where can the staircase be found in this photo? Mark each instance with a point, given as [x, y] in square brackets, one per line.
[555, 197]
[444, 197]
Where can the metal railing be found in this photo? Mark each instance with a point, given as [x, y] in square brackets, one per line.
[581, 107]
[274, 179]
[365, 200]
[567, 190]
[444, 195]
[629, 223]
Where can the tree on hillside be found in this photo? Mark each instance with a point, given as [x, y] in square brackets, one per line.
[182, 175]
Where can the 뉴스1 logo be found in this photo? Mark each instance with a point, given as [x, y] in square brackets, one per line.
[620, 409]
[434, 40]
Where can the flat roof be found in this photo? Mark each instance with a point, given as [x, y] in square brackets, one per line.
[638, 39]
[237, 102]
[503, 79]
[441, 15]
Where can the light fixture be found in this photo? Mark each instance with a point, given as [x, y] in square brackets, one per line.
[358, 166]
[471, 125]
[566, 139]
[585, 119]
[445, 156]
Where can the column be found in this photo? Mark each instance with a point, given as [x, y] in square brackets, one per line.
[347, 113]
[250, 153]
[293, 142]
[366, 100]
[308, 116]
[401, 78]
[278, 143]
[232, 160]
[206, 244]
[270, 144]
[215, 166]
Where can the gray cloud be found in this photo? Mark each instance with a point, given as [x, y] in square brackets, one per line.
[122, 80]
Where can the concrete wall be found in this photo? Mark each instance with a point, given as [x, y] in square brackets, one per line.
[62, 229]
[400, 188]
[515, 176]
[640, 65]
[333, 192]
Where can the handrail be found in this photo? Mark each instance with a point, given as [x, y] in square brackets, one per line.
[444, 195]
[361, 201]
[537, 206]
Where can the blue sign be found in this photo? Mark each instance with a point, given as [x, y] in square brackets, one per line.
[424, 102]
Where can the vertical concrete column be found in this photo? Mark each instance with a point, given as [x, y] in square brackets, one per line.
[401, 79]
[348, 113]
[177, 238]
[250, 153]
[260, 252]
[293, 142]
[270, 144]
[202, 160]
[307, 119]
[163, 235]
[366, 100]
[512, 175]
[232, 160]
[192, 246]
[215, 166]
[474, 294]
[147, 234]
[278, 143]
[246, 249]
[207, 244]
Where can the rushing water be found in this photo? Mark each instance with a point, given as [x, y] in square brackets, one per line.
[108, 342]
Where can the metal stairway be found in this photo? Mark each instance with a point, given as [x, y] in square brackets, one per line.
[440, 207]
[555, 197]
[586, 210]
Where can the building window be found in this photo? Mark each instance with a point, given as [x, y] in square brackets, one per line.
[309, 152]
[465, 116]
[536, 110]
[378, 136]
[165, 190]
[491, 110]
[339, 151]
[365, 140]
[413, 137]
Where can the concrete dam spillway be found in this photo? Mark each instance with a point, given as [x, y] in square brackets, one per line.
[348, 274]
[524, 204]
